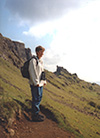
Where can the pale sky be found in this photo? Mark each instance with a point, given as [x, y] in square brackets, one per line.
[68, 29]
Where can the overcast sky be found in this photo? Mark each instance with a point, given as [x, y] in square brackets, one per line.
[68, 29]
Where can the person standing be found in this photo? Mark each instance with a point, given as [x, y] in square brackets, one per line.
[37, 81]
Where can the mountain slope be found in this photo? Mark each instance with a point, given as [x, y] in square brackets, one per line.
[14, 52]
[74, 102]
[77, 101]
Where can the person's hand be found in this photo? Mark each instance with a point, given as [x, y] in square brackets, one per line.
[37, 85]
[44, 84]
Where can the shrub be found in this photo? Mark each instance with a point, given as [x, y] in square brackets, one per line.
[92, 103]
[91, 88]
[98, 107]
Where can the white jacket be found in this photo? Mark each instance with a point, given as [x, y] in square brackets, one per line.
[35, 71]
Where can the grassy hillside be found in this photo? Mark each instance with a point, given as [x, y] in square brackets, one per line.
[12, 87]
[75, 103]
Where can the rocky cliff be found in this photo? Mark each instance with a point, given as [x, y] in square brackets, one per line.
[14, 52]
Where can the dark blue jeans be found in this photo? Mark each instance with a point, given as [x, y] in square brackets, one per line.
[36, 98]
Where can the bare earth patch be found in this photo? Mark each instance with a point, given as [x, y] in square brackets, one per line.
[24, 128]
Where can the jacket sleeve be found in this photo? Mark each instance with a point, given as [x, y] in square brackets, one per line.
[33, 72]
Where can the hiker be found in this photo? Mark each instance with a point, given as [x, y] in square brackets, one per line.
[37, 81]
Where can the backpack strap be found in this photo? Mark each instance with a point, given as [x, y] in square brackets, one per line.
[34, 58]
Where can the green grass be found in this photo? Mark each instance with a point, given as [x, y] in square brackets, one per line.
[70, 99]
[73, 101]
[12, 86]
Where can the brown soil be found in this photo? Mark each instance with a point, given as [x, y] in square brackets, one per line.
[25, 128]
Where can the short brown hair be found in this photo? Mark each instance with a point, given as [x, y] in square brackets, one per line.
[38, 48]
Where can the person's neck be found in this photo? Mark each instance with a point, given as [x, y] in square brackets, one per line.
[38, 57]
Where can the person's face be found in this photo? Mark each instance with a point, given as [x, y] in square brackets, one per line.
[40, 54]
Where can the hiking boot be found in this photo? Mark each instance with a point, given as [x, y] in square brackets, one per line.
[37, 118]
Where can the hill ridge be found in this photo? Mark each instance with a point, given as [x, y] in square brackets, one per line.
[13, 51]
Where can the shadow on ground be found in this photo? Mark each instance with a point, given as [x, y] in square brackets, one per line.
[26, 110]
[50, 115]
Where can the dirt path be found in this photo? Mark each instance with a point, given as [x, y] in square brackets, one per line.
[24, 128]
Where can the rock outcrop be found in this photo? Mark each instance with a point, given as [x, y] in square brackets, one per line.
[61, 69]
[14, 52]
[72, 78]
